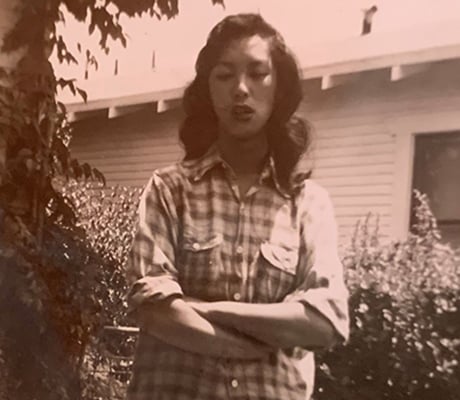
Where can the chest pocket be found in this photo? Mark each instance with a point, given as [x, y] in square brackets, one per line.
[276, 268]
[200, 264]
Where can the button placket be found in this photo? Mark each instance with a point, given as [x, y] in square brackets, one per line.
[239, 250]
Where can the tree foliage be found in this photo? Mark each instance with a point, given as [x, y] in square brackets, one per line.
[49, 268]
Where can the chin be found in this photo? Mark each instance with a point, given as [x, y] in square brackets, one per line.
[245, 136]
[246, 133]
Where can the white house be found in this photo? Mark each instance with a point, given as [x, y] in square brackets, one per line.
[386, 113]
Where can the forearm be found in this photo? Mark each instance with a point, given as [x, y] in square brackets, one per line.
[177, 324]
[281, 325]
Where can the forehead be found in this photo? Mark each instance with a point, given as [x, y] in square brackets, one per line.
[248, 49]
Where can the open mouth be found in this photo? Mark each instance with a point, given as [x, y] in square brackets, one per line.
[242, 112]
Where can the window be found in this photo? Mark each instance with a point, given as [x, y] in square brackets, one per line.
[437, 174]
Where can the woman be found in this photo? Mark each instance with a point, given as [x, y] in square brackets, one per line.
[234, 270]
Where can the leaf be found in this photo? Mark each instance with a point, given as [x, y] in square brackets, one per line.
[63, 83]
[122, 38]
[62, 153]
[63, 209]
[70, 59]
[87, 171]
[61, 106]
[91, 27]
[99, 176]
[82, 94]
[75, 170]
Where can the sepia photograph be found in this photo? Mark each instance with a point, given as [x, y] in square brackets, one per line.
[229, 199]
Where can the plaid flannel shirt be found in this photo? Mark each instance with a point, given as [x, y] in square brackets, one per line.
[197, 237]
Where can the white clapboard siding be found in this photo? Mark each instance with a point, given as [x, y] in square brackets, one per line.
[128, 149]
[367, 202]
[351, 171]
[365, 179]
[354, 148]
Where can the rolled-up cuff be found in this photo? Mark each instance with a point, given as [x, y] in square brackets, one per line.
[333, 308]
[152, 288]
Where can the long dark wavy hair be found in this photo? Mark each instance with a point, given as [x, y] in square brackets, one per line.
[288, 136]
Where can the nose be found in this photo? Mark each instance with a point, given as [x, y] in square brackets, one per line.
[242, 89]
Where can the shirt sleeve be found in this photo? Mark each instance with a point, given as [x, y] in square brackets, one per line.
[320, 276]
[150, 269]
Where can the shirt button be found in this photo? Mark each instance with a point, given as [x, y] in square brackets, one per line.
[196, 246]
[237, 296]
[239, 250]
[234, 383]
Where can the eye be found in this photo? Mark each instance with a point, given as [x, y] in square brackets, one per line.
[222, 73]
[223, 76]
[259, 75]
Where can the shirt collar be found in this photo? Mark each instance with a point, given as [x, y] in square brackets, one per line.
[269, 173]
[197, 169]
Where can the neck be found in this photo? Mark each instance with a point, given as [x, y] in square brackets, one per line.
[244, 156]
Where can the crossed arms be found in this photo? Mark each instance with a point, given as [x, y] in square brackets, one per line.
[235, 330]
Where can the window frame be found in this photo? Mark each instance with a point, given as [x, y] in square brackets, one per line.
[404, 130]
[444, 221]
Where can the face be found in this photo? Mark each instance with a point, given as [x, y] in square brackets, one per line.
[242, 87]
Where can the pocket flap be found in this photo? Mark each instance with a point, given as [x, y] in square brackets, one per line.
[283, 258]
[195, 243]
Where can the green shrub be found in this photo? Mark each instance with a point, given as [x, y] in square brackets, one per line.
[405, 318]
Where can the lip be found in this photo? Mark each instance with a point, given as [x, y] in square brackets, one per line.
[242, 112]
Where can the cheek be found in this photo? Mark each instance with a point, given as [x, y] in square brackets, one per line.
[268, 100]
[213, 95]
[218, 92]
[266, 93]
[218, 103]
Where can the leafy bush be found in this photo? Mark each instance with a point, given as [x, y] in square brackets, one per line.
[107, 215]
[47, 311]
[405, 318]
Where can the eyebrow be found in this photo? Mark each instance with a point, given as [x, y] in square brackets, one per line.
[255, 63]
